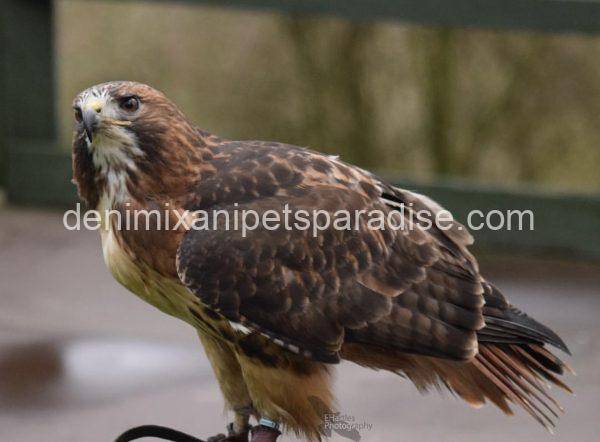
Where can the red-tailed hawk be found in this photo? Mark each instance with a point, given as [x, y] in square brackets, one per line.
[276, 308]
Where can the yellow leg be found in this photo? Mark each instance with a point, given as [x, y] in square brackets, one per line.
[231, 381]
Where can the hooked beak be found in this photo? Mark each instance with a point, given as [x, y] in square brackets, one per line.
[90, 122]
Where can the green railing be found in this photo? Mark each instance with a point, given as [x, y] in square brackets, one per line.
[36, 172]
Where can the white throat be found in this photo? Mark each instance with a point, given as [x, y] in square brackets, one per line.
[113, 152]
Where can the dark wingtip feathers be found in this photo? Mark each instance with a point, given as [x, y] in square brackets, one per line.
[506, 323]
[518, 323]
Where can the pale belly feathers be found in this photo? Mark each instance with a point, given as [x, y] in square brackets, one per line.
[168, 294]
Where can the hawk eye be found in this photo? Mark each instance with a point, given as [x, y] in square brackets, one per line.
[130, 104]
[78, 115]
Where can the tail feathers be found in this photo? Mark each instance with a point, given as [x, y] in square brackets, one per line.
[500, 373]
[521, 374]
[512, 357]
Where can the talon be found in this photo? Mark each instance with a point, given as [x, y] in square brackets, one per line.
[242, 436]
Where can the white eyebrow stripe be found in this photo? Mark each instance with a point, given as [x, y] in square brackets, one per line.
[94, 92]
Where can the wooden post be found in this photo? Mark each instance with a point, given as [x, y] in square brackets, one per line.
[26, 77]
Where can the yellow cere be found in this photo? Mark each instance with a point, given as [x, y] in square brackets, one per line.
[96, 105]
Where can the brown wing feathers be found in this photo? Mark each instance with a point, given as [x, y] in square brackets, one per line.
[411, 302]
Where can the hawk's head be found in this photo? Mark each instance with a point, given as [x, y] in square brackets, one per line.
[128, 134]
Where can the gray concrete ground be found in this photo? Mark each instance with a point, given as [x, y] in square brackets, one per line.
[81, 359]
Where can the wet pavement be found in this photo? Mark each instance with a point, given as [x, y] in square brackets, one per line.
[81, 359]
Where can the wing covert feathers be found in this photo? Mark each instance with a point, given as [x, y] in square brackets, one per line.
[414, 289]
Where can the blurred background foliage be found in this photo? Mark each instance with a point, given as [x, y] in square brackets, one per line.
[497, 107]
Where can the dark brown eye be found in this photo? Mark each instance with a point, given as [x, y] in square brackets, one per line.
[78, 115]
[130, 104]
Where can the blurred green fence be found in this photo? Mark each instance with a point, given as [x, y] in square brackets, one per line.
[34, 171]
